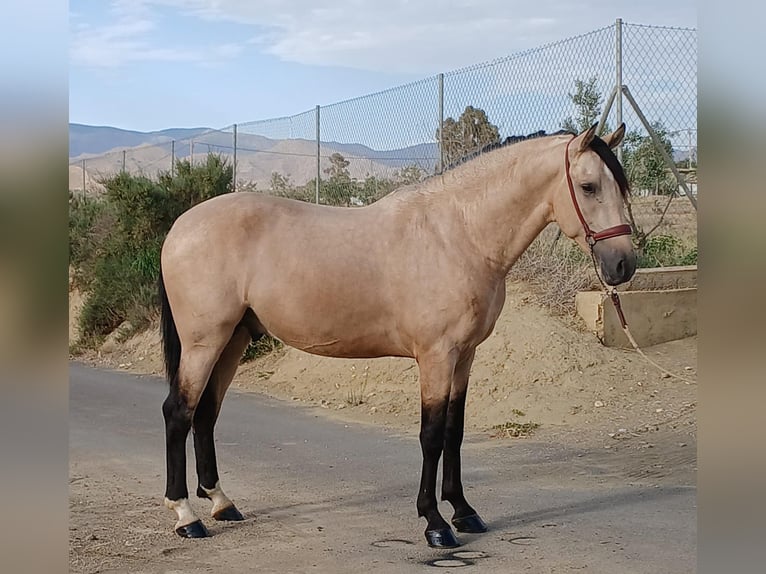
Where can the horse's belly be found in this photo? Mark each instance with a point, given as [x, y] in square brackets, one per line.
[341, 326]
[366, 348]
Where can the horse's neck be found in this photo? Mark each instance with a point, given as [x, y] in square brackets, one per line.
[505, 198]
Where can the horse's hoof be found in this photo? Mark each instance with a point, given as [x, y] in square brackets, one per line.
[193, 530]
[442, 538]
[228, 513]
[472, 524]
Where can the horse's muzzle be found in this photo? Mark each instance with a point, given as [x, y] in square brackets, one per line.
[617, 265]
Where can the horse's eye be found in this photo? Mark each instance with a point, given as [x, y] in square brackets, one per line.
[588, 188]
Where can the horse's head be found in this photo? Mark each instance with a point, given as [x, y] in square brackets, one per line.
[589, 205]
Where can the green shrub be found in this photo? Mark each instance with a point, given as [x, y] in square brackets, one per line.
[263, 346]
[115, 240]
[90, 224]
[690, 257]
[666, 251]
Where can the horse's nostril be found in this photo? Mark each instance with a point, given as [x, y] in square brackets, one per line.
[620, 267]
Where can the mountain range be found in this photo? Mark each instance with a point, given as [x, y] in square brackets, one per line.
[103, 149]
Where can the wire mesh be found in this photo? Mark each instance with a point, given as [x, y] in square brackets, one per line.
[528, 92]
[278, 155]
[660, 70]
[373, 144]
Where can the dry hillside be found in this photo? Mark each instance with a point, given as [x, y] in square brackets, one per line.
[295, 159]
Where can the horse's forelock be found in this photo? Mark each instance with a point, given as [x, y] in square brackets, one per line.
[606, 154]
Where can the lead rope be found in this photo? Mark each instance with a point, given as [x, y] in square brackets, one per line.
[614, 296]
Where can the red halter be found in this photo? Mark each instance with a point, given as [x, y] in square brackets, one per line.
[590, 237]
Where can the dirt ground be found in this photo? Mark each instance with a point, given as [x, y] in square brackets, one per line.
[535, 369]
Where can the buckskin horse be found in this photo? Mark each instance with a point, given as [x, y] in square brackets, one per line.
[420, 273]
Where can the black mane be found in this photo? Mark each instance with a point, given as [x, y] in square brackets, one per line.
[510, 140]
[597, 145]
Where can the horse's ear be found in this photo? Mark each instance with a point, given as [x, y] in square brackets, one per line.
[586, 137]
[615, 138]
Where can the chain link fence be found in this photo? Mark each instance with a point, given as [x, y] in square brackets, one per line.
[353, 152]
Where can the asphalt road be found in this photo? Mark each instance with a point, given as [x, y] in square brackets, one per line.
[322, 495]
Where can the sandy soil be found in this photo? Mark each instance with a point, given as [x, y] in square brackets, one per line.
[535, 368]
[634, 425]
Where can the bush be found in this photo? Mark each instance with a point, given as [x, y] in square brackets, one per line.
[90, 224]
[115, 240]
[666, 251]
[263, 346]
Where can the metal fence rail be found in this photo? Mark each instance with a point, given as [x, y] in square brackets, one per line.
[352, 152]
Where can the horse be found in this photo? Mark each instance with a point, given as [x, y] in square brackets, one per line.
[420, 273]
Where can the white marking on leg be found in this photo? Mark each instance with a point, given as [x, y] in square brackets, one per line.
[183, 510]
[220, 500]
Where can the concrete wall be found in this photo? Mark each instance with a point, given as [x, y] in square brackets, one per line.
[659, 305]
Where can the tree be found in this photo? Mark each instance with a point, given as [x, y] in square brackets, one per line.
[644, 164]
[409, 175]
[587, 101]
[338, 170]
[469, 134]
[373, 188]
[339, 188]
[280, 184]
[646, 171]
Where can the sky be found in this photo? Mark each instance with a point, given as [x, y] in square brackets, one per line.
[154, 64]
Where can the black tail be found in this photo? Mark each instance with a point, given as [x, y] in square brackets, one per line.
[171, 344]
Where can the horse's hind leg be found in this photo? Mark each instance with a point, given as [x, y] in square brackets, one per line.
[194, 369]
[204, 422]
[465, 518]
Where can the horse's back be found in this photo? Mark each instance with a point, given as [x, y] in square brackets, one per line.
[295, 264]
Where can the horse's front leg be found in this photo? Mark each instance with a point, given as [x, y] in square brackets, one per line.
[436, 373]
[465, 519]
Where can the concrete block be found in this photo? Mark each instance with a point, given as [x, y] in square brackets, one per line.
[659, 278]
[653, 316]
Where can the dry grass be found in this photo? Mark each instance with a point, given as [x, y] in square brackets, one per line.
[513, 429]
[555, 272]
[679, 221]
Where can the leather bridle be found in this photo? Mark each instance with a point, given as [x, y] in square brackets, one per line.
[590, 237]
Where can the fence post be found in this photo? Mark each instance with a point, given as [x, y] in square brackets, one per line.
[173, 158]
[83, 176]
[618, 79]
[661, 148]
[123, 161]
[191, 152]
[605, 113]
[440, 165]
[318, 157]
[235, 158]
[689, 134]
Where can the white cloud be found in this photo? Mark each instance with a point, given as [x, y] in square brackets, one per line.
[399, 36]
[423, 36]
[128, 38]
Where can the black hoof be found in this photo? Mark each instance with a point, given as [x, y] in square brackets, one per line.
[473, 524]
[442, 538]
[193, 530]
[228, 513]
